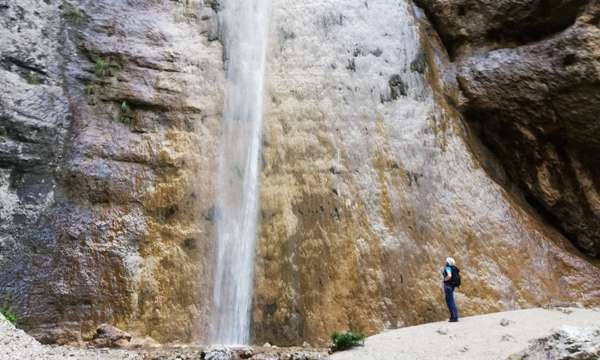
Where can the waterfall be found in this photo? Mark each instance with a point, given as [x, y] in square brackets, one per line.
[245, 32]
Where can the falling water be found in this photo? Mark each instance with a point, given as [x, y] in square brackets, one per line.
[245, 29]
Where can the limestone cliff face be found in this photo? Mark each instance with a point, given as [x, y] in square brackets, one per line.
[109, 116]
[109, 127]
[370, 180]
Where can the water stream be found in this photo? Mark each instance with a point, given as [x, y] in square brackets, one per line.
[245, 36]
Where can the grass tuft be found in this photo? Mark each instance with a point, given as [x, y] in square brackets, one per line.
[125, 113]
[105, 67]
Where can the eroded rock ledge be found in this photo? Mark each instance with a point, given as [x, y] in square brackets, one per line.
[529, 75]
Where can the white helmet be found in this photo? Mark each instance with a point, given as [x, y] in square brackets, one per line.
[450, 261]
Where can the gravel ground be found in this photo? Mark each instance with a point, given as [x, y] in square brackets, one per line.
[489, 337]
[15, 344]
[484, 337]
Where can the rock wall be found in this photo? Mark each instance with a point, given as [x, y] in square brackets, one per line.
[110, 116]
[109, 127]
[528, 71]
[371, 180]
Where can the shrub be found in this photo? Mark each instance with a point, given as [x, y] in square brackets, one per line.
[9, 315]
[346, 340]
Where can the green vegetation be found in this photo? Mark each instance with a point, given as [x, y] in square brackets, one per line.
[125, 113]
[346, 340]
[6, 309]
[90, 91]
[33, 78]
[104, 67]
[8, 314]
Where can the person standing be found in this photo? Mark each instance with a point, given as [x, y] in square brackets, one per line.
[451, 276]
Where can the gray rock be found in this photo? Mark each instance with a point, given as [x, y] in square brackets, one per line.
[16, 344]
[82, 180]
[532, 106]
[219, 354]
[109, 336]
[442, 331]
[541, 105]
[566, 343]
[507, 337]
[145, 342]
[465, 25]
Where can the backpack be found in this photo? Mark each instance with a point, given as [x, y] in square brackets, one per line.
[455, 280]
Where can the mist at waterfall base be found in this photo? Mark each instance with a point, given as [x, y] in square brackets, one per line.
[245, 31]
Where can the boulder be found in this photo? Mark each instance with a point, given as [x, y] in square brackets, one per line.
[111, 337]
[565, 344]
[145, 342]
[219, 354]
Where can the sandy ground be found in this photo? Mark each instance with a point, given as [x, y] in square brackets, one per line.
[484, 337]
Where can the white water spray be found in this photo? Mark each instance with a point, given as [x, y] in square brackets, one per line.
[246, 25]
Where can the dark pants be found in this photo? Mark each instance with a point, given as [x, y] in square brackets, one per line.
[449, 291]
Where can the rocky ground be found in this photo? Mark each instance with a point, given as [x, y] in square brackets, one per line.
[568, 342]
[555, 333]
[16, 344]
[558, 333]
